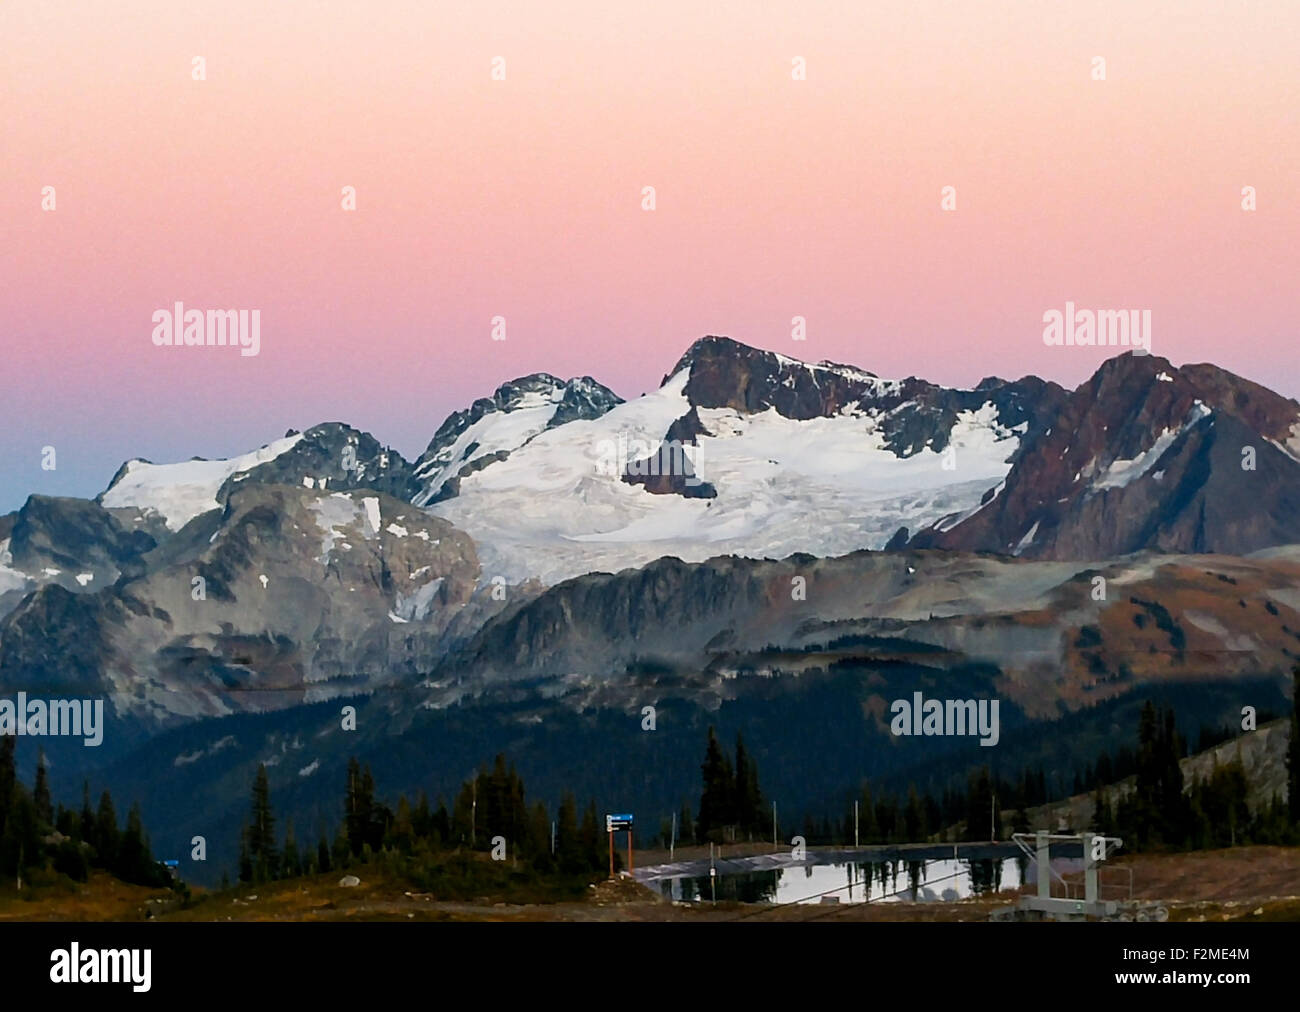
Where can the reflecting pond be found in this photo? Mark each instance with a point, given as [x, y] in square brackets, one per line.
[944, 880]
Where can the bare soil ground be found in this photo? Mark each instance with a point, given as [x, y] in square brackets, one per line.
[1244, 883]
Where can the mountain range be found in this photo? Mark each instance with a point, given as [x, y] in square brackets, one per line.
[821, 541]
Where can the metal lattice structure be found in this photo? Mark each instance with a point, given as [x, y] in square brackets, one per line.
[1044, 906]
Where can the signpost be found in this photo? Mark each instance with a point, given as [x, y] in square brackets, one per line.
[616, 824]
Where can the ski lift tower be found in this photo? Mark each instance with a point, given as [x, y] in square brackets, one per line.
[1045, 906]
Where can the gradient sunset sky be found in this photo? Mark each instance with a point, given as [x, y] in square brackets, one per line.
[522, 198]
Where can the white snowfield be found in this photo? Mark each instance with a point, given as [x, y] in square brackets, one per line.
[554, 509]
[180, 492]
[497, 430]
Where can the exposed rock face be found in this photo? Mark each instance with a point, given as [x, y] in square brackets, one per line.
[55, 643]
[583, 398]
[336, 457]
[285, 594]
[78, 543]
[698, 629]
[916, 413]
[668, 470]
[1147, 456]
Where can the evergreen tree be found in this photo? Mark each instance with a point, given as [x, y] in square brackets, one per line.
[748, 802]
[245, 861]
[323, 862]
[291, 863]
[868, 827]
[933, 814]
[106, 832]
[134, 863]
[594, 842]
[538, 849]
[70, 860]
[359, 813]
[341, 852]
[371, 816]
[8, 775]
[1293, 752]
[718, 794]
[568, 844]
[403, 827]
[981, 807]
[441, 828]
[261, 829]
[464, 816]
[914, 828]
[87, 815]
[20, 843]
[65, 821]
[41, 792]
[1103, 818]
[685, 825]
[422, 818]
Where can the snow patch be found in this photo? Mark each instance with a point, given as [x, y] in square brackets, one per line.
[333, 512]
[371, 505]
[1121, 473]
[181, 492]
[1027, 540]
[416, 607]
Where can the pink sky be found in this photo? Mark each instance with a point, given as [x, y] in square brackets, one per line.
[522, 198]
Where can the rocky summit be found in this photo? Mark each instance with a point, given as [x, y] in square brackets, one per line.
[759, 537]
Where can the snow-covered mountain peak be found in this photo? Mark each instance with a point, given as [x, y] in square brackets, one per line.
[493, 427]
[180, 492]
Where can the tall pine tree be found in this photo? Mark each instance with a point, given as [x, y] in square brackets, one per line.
[260, 834]
[41, 792]
[718, 794]
[1293, 752]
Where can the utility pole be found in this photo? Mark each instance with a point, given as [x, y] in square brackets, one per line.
[473, 811]
[552, 837]
[672, 838]
[855, 825]
[713, 876]
[774, 843]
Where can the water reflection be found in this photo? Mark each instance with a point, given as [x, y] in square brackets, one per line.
[945, 880]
